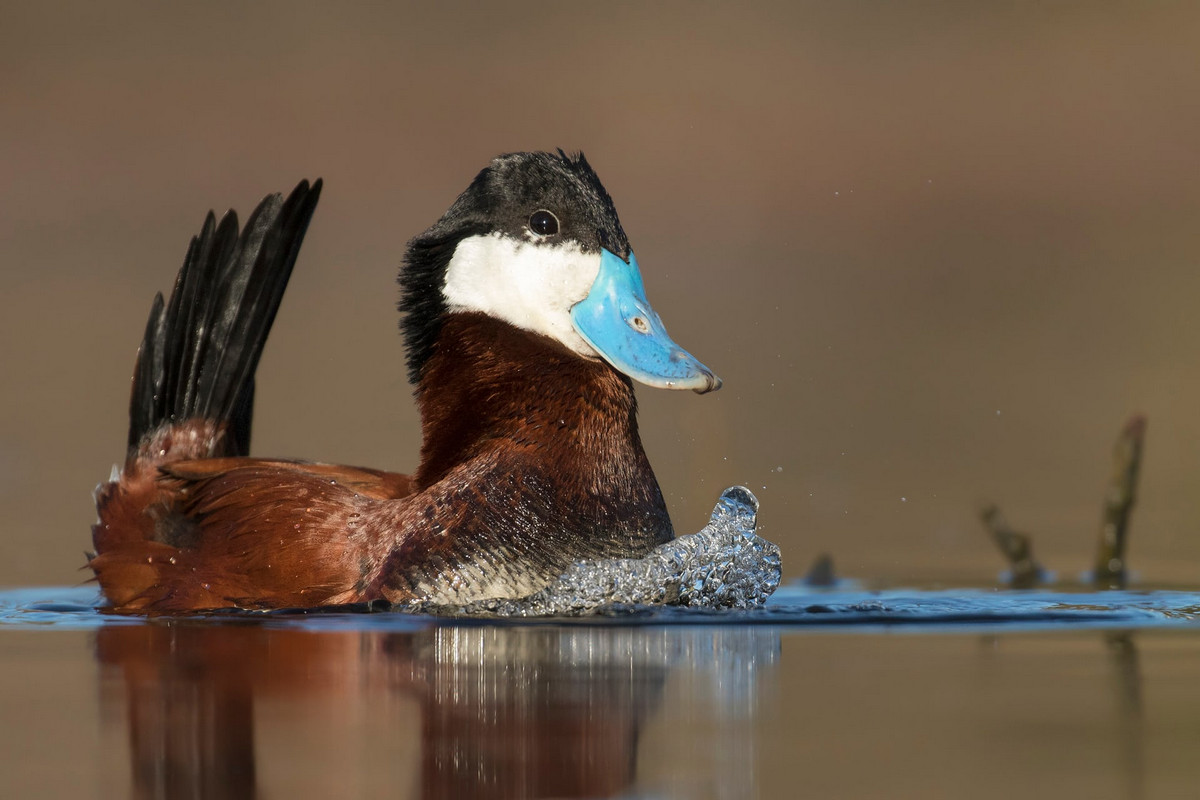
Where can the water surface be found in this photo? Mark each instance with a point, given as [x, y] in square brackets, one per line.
[848, 693]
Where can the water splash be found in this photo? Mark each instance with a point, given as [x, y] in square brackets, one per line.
[725, 565]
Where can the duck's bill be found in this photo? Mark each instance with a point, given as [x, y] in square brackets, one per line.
[618, 322]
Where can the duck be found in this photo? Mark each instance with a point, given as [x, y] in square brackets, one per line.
[526, 324]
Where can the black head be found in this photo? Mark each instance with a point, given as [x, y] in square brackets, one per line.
[509, 198]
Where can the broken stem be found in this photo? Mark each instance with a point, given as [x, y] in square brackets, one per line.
[1110, 571]
[1017, 548]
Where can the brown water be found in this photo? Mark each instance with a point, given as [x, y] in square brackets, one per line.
[937, 251]
[847, 694]
[194, 710]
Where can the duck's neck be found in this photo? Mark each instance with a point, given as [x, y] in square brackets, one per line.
[496, 394]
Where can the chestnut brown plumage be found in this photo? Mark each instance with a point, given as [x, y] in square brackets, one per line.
[531, 457]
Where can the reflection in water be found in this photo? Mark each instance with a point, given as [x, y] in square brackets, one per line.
[1124, 694]
[1124, 654]
[495, 711]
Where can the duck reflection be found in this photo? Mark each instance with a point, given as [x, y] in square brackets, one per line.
[248, 710]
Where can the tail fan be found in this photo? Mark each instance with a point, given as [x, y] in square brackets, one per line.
[201, 347]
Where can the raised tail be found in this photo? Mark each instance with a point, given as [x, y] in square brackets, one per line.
[193, 387]
[201, 348]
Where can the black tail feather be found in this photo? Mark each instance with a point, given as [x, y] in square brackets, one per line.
[201, 348]
[146, 399]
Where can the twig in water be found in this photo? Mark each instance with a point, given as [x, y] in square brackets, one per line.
[821, 573]
[1017, 548]
[1110, 571]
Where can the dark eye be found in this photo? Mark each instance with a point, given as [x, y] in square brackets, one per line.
[543, 223]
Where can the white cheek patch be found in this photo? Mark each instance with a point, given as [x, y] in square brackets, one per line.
[530, 286]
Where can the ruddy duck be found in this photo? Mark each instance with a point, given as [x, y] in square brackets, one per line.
[525, 320]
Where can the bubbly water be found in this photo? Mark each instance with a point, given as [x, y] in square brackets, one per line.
[725, 565]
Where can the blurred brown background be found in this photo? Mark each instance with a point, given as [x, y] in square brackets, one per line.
[938, 252]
